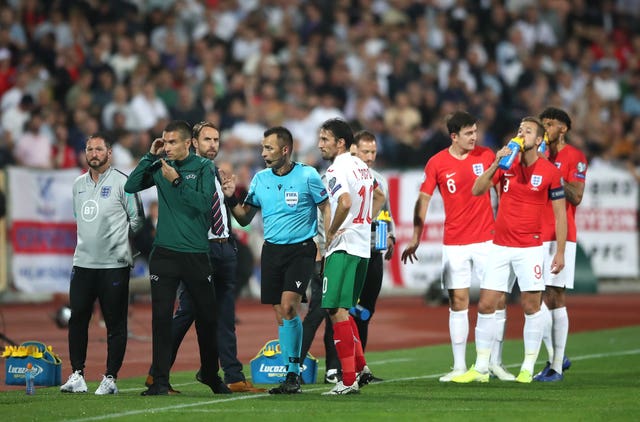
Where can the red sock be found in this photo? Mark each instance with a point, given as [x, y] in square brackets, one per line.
[343, 339]
[360, 360]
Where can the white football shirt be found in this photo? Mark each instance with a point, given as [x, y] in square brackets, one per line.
[349, 174]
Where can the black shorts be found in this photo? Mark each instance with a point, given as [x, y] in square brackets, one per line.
[286, 268]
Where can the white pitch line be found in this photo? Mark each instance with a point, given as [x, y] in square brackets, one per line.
[253, 396]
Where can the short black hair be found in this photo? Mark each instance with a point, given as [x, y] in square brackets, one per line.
[556, 114]
[282, 133]
[181, 127]
[340, 129]
[459, 119]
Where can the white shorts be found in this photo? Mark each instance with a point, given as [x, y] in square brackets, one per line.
[506, 263]
[565, 277]
[464, 265]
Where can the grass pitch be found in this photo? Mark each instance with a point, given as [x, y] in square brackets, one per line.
[602, 384]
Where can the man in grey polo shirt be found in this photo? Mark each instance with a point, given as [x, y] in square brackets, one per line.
[106, 217]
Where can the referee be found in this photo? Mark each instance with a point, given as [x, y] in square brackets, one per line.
[185, 184]
[288, 194]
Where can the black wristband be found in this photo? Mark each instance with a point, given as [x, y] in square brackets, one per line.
[176, 182]
[231, 201]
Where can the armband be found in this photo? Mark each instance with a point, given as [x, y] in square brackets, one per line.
[231, 201]
[176, 182]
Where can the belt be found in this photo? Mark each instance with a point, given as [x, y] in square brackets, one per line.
[219, 240]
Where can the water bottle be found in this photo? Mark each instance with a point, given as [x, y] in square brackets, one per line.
[544, 145]
[29, 380]
[361, 312]
[515, 145]
[382, 223]
[381, 235]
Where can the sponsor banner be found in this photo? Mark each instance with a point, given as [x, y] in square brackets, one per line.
[41, 195]
[269, 367]
[42, 273]
[43, 238]
[43, 230]
[607, 222]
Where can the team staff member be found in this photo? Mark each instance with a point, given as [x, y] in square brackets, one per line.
[517, 247]
[465, 246]
[289, 195]
[573, 166]
[107, 218]
[223, 255]
[365, 148]
[185, 184]
[351, 189]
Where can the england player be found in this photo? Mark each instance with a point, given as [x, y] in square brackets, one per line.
[351, 189]
[465, 246]
[517, 247]
[289, 195]
[573, 166]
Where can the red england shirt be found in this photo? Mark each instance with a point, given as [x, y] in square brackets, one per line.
[524, 193]
[468, 218]
[573, 167]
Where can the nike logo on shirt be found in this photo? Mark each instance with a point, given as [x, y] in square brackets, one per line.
[450, 175]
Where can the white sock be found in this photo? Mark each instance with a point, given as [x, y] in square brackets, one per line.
[485, 335]
[459, 331]
[560, 334]
[532, 333]
[546, 330]
[496, 349]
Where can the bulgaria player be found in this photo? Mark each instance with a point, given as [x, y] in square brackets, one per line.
[465, 250]
[573, 166]
[353, 195]
[517, 247]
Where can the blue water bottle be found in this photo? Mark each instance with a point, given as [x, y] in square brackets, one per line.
[29, 380]
[382, 223]
[361, 312]
[543, 146]
[381, 235]
[515, 145]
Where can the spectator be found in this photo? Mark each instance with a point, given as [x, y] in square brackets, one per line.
[125, 60]
[147, 108]
[14, 118]
[187, 108]
[33, 148]
[119, 104]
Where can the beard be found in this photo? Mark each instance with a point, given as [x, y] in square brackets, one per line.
[97, 163]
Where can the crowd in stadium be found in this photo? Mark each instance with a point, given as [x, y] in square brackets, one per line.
[70, 68]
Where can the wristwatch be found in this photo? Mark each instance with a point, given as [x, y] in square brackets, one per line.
[176, 182]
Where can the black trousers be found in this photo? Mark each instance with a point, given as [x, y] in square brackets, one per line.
[370, 293]
[167, 269]
[111, 287]
[224, 262]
